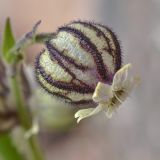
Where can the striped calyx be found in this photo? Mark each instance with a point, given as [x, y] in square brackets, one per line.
[76, 59]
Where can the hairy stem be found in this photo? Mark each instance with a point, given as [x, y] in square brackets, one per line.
[24, 114]
[43, 37]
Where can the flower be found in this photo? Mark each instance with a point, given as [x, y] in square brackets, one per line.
[79, 56]
[82, 65]
[110, 97]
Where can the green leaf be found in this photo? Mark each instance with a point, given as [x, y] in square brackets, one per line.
[8, 41]
[7, 149]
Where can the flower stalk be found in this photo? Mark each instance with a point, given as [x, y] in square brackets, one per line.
[24, 114]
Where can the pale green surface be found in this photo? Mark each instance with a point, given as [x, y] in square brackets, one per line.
[7, 149]
[8, 42]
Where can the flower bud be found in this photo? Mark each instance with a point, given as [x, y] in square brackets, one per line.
[79, 56]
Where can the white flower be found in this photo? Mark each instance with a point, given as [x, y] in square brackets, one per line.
[109, 97]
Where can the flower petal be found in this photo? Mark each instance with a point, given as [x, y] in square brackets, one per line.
[102, 93]
[120, 77]
[109, 113]
[84, 113]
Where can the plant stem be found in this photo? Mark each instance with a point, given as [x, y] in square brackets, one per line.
[24, 114]
[36, 152]
[43, 37]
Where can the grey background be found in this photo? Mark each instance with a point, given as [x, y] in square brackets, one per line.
[134, 132]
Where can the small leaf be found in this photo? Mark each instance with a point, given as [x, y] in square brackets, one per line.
[8, 40]
[14, 53]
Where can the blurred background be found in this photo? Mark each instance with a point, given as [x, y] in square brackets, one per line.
[134, 132]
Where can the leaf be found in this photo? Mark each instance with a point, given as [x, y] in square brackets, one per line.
[13, 51]
[8, 38]
[7, 149]
[8, 41]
